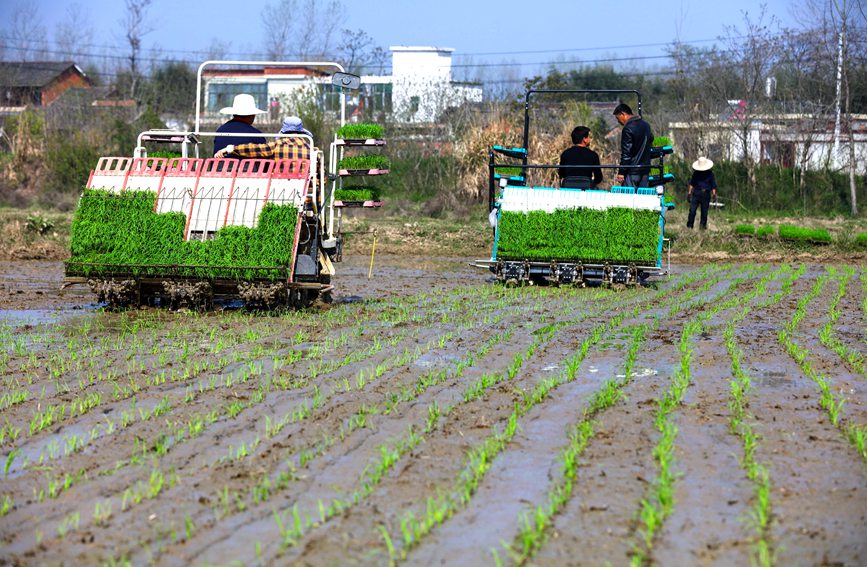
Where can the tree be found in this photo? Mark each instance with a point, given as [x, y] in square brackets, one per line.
[73, 35]
[357, 52]
[301, 29]
[136, 28]
[26, 33]
[171, 90]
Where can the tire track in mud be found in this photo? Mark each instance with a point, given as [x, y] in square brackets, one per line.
[818, 497]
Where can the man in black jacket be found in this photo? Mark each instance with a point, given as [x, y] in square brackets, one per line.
[636, 140]
[586, 177]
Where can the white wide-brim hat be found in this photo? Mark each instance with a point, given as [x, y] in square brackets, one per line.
[242, 105]
[702, 164]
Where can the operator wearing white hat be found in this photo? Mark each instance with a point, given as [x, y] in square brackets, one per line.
[243, 111]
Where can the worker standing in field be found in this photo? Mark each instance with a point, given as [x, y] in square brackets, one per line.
[285, 147]
[702, 189]
[243, 111]
[636, 139]
[587, 177]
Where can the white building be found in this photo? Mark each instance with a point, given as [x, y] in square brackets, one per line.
[419, 89]
[790, 140]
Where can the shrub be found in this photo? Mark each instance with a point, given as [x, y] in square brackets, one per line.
[861, 239]
[121, 234]
[616, 234]
[797, 233]
[360, 131]
[745, 229]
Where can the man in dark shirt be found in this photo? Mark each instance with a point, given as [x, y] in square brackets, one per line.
[580, 154]
[243, 111]
[702, 188]
[636, 139]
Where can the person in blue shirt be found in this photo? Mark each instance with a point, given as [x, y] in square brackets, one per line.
[243, 111]
[702, 188]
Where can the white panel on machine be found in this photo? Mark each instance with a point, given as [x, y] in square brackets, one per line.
[110, 174]
[210, 199]
[524, 199]
[289, 182]
[146, 174]
[249, 192]
[179, 182]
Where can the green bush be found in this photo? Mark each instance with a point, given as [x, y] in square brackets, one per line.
[861, 239]
[616, 234]
[370, 161]
[360, 131]
[797, 233]
[121, 234]
[745, 229]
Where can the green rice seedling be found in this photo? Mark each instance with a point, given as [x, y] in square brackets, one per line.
[765, 231]
[579, 234]
[800, 234]
[362, 162]
[861, 239]
[102, 512]
[360, 131]
[353, 194]
[70, 522]
[6, 505]
[745, 229]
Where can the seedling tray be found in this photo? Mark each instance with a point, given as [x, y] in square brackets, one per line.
[361, 172]
[360, 142]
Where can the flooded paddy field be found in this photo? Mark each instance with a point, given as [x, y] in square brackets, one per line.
[430, 416]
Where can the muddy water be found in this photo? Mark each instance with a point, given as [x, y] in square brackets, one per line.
[423, 417]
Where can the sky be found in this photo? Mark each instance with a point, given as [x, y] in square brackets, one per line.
[528, 35]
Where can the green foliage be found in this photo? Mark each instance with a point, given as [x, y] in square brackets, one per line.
[765, 231]
[369, 161]
[861, 239]
[357, 194]
[123, 235]
[661, 141]
[171, 89]
[777, 190]
[797, 233]
[360, 131]
[164, 154]
[616, 234]
[745, 229]
[38, 224]
[517, 171]
[69, 159]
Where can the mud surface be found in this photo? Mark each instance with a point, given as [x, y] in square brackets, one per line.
[431, 417]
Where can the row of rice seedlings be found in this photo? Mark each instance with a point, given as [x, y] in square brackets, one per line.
[480, 457]
[161, 446]
[826, 333]
[832, 404]
[268, 486]
[239, 376]
[740, 423]
[392, 453]
[535, 524]
[660, 502]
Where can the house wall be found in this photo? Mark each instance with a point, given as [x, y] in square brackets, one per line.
[67, 80]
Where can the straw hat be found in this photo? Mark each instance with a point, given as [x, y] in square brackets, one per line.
[293, 125]
[702, 164]
[242, 105]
